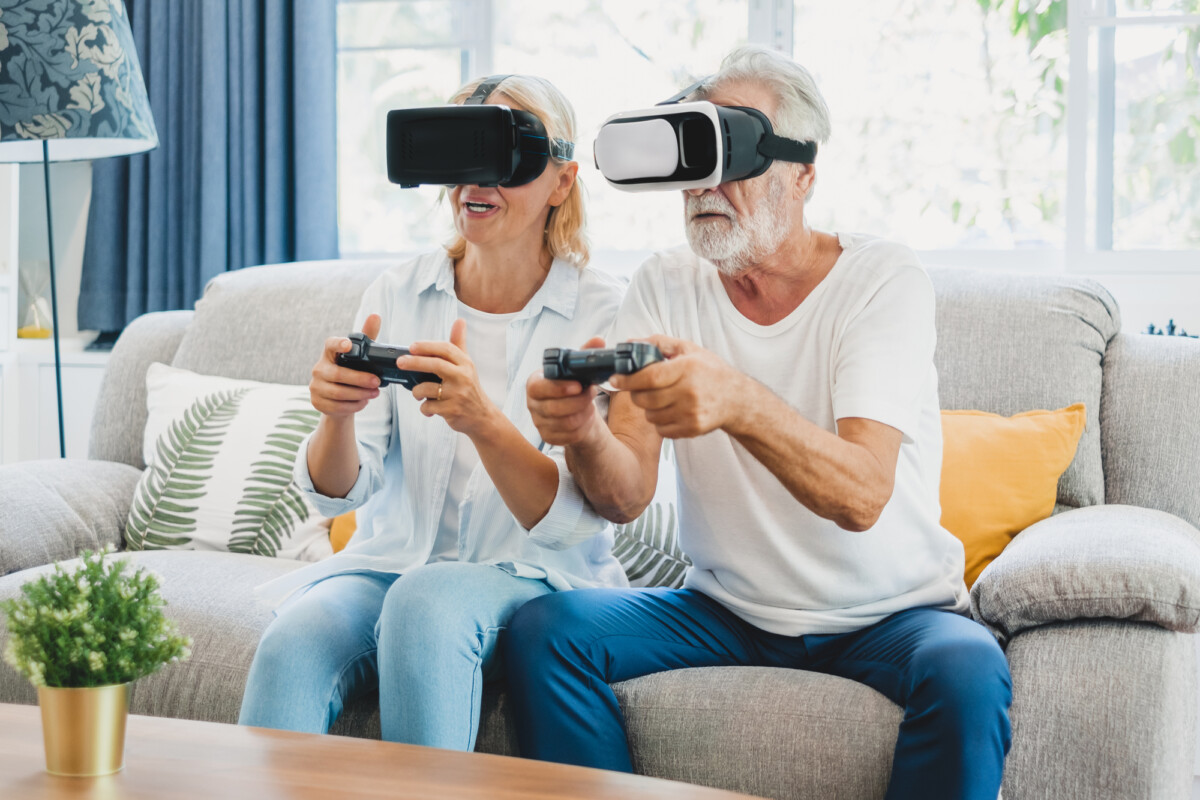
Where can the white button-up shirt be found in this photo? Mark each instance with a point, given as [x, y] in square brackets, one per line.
[405, 457]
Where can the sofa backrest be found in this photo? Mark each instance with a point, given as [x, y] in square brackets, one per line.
[269, 323]
[1150, 415]
[1009, 343]
[1006, 344]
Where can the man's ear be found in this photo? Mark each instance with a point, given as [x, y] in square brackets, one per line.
[566, 179]
[805, 177]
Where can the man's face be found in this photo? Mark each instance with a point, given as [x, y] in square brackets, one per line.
[738, 223]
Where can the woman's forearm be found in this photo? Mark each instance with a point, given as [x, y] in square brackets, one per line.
[333, 456]
[526, 478]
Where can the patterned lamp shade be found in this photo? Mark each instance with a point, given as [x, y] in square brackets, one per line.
[69, 73]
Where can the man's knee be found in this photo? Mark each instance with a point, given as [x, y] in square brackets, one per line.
[551, 622]
[967, 677]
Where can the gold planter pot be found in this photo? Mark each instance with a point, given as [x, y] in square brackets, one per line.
[84, 729]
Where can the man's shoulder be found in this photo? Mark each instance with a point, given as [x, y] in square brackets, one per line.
[878, 256]
[675, 266]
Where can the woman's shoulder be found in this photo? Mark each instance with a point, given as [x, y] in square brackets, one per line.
[415, 273]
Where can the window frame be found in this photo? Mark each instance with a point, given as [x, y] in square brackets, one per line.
[771, 24]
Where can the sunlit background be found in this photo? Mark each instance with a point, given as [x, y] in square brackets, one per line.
[969, 127]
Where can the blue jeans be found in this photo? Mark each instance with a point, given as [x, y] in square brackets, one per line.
[427, 639]
[945, 670]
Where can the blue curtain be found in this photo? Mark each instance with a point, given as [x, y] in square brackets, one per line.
[243, 95]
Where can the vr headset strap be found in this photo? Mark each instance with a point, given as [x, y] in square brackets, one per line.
[783, 149]
[484, 89]
[673, 99]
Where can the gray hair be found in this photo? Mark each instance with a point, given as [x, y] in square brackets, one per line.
[800, 111]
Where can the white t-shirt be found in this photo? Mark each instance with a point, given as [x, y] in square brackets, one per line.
[487, 338]
[860, 345]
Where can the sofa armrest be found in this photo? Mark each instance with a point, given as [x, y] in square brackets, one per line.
[1121, 562]
[54, 510]
[120, 415]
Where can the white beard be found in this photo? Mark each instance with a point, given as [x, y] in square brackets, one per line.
[739, 242]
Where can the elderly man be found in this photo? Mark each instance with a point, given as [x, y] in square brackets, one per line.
[800, 390]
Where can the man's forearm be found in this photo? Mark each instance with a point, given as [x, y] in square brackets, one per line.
[611, 475]
[834, 478]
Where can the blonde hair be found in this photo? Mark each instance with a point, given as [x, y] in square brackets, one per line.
[565, 237]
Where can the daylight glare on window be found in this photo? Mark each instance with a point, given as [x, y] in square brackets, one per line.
[950, 119]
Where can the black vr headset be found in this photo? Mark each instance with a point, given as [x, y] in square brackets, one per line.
[484, 145]
[693, 145]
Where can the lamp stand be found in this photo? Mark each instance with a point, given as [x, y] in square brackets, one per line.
[62, 436]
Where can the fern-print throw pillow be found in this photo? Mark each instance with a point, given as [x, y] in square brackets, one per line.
[648, 547]
[219, 454]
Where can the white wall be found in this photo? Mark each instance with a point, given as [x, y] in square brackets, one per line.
[71, 193]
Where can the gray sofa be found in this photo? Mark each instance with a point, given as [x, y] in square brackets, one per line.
[1093, 606]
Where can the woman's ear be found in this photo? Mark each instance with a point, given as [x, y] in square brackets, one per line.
[566, 179]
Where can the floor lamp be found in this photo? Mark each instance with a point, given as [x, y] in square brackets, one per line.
[69, 75]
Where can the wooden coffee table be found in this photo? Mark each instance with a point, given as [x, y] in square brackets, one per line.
[173, 758]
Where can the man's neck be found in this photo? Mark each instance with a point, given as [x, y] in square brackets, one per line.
[500, 280]
[767, 291]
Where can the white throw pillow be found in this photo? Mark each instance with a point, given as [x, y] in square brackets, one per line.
[219, 454]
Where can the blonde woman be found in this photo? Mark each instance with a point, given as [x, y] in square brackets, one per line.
[463, 514]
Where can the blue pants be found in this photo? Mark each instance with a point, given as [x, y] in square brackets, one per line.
[428, 640]
[946, 671]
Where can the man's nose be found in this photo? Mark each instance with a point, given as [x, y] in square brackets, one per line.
[698, 192]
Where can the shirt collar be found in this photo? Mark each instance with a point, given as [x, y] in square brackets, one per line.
[559, 292]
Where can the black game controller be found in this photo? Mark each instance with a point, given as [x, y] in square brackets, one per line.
[597, 366]
[367, 355]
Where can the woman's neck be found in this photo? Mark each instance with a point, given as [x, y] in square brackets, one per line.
[500, 279]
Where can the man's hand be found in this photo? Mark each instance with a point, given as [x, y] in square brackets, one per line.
[563, 411]
[690, 394]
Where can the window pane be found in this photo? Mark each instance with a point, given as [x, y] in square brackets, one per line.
[1150, 123]
[404, 23]
[949, 120]
[1142, 7]
[375, 216]
[610, 57]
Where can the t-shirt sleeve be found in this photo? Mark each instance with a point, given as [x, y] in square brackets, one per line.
[643, 311]
[883, 363]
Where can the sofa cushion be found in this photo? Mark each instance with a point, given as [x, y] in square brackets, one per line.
[270, 323]
[219, 455]
[1119, 562]
[1000, 475]
[1008, 343]
[54, 510]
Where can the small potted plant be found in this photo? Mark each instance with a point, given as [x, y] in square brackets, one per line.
[81, 637]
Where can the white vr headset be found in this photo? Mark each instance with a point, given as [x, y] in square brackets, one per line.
[693, 145]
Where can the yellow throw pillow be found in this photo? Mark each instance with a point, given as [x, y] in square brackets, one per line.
[341, 530]
[1000, 475]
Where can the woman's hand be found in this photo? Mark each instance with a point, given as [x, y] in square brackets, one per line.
[341, 392]
[458, 399]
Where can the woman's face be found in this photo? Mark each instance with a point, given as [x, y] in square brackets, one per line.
[500, 215]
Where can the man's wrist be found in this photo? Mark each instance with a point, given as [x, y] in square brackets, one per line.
[748, 399]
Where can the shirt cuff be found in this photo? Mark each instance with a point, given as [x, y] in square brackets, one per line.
[330, 506]
[561, 527]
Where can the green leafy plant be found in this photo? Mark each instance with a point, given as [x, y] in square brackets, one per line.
[97, 625]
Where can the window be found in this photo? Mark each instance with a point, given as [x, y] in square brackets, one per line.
[1066, 129]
